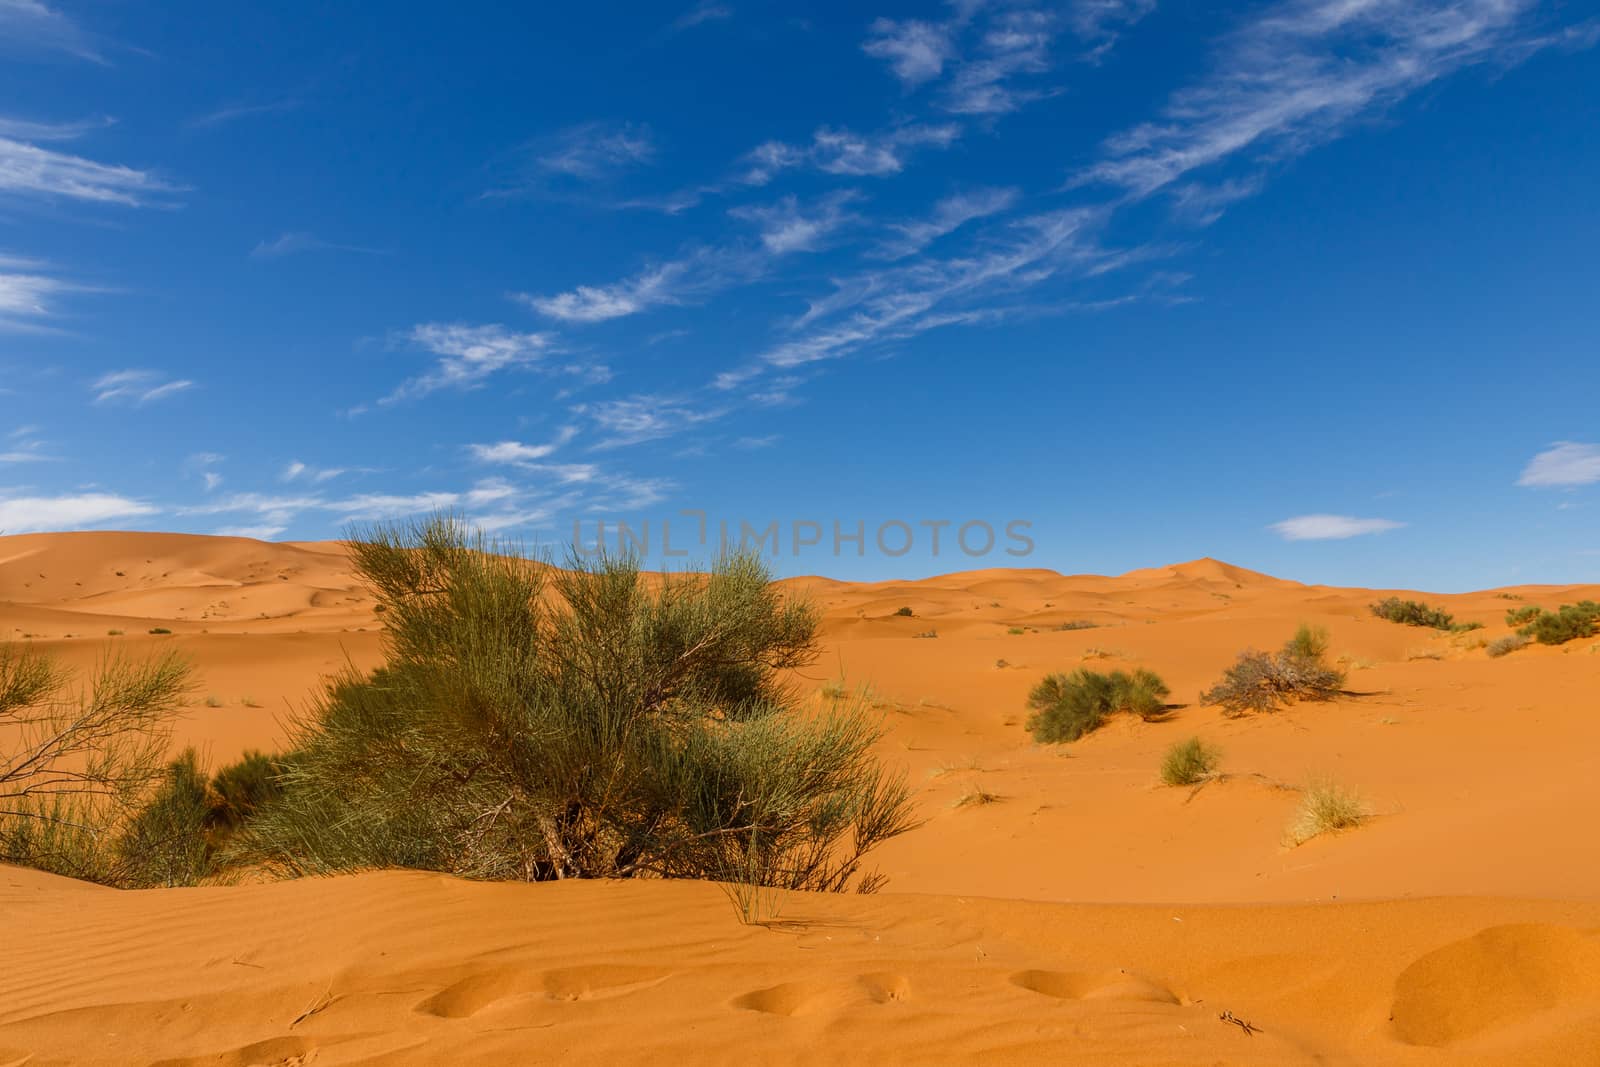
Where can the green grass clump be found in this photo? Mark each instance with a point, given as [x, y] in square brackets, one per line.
[1067, 706]
[1523, 615]
[1412, 613]
[1327, 808]
[615, 725]
[1261, 681]
[159, 630]
[1570, 622]
[1077, 624]
[1189, 762]
[905, 613]
[1504, 646]
[114, 633]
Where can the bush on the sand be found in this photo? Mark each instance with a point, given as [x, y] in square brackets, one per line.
[1570, 622]
[1189, 762]
[1261, 681]
[75, 766]
[241, 789]
[1523, 615]
[1504, 646]
[165, 843]
[1067, 706]
[1412, 613]
[1326, 808]
[590, 722]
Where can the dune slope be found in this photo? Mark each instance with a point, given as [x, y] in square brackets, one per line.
[1057, 902]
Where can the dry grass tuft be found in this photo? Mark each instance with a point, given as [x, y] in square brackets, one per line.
[1327, 808]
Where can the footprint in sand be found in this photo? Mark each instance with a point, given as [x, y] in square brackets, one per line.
[796, 999]
[1110, 985]
[480, 991]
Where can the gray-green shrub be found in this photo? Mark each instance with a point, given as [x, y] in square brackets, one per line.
[1067, 706]
[589, 722]
[1261, 681]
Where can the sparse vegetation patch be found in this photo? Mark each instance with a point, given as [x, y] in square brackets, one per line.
[1067, 706]
[1412, 613]
[1189, 762]
[1326, 808]
[1262, 681]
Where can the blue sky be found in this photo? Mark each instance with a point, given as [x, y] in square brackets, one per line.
[1308, 286]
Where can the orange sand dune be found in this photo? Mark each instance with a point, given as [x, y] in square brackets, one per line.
[1084, 914]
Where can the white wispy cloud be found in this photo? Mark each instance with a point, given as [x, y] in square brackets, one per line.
[790, 226]
[136, 387]
[25, 130]
[597, 150]
[948, 215]
[842, 151]
[469, 354]
[703, 12]
[30, 24]
[1331, 527]
[516, 452]
[645, 417]
[261, 532]
[28, 170]
[230, 113]
[23, 446]
[1564, 464]
[35, 514]
[901, 301]
[1101, 22]
[1298, 74]
[295, 242]
[297, 471]
[915, 50]
[665, 284]
[1014, 43]
[26, 292]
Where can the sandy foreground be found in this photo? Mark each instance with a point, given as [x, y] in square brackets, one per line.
[1082, 913]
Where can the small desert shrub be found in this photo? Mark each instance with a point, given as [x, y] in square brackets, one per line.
[1523, 615]
[1465, 627]
[214, 701]
[114, 633]
[165, 843]
[1077, 624]
[975, 794]
[927, 634]
[1327, 808]
[1568, 623]
[1411, 613]
[75, 768]
[240, 790]
[1067, 706]
[905, 612]
[1261, 681]
[623, 727]
[1189, 762]
[1504, 646]
[1016, 631]
[160, 630]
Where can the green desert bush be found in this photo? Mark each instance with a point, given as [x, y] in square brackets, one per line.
[531, 723]
[1523, 615]
[1067, 706]
[1077, 624]
[1189, 762]
[905, 612]
[159, 630]
[243, 788]
[77, 764]
[1261, 681]
[165, 842]
[1570, 622]
[1504, 646]
[1326, 808]
[1412, 613]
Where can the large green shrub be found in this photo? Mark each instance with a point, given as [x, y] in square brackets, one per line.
[1412, 613]
[1067, 706]
[534, 724]
[1568, 623]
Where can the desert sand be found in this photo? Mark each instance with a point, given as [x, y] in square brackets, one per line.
[1083, 913]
